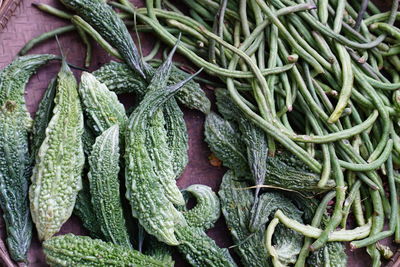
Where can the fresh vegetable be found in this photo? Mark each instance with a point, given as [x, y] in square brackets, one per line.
[56, 177]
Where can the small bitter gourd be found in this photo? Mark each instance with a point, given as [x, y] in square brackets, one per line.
[121, 79]
[56, 177]
[71, 250]
[111, 27]
[43, 116]
[145, 191]
[207, 209]
[104, 187]
[15, 170]
[236, 205]
[101, 105]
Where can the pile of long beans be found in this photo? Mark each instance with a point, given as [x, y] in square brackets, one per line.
[320, 78]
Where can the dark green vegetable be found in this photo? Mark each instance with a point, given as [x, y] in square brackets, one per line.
[71, 250]
[236, 204]
[15, 170]
[104, 20]
[43, 116]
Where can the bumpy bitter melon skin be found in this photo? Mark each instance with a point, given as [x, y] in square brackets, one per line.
[56, 177]
[121, 79]
[145, 191]
[236, 205]
[207, 209]
[224, 140]
[15, 171]
[101, 105]
[43, 116]
[104, 20]
[71, 250]
[200, 250]
[104, 187]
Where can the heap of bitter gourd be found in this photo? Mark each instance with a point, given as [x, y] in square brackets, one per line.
[308, 109]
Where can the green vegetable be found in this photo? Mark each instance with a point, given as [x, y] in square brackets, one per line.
[105, 21]
[56, 177]
[43, 116]
[71, 250]
[101, 105]
[121, 79]
[207, 209]
[104, 187]
[201, 250]
[15, 170]
[146, 189]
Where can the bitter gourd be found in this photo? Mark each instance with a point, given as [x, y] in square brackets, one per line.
[236, 205]
[71, 250]
[13, 79]
[104, 187]
[145, 191]
[15, 170]
[43, 116]
[287, 242]
[121, 79]
[85, 211]
[104, 20]
[224, 140]
[200, 250]
[56, 177]
[207, 209]
[101, 105]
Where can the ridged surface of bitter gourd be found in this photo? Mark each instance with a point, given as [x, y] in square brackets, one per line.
[56, 177]
[236, 205]
[101, 105]
[15, 169]
[71, 250]
[207, 209]
[104, 20]
[104, 187]
[200, 250]
[43, 116]
[145, 192]
[121, 79]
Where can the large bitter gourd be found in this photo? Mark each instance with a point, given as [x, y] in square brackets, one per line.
[56, 177]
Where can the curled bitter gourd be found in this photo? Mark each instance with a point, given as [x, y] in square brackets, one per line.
[200, 250]
[144, 190]
[236, 205]
[15, 169]
[207, 209]
[71, 250]
[101, 105]
[104, 187]
[111, 27]
[56, 177]
[121, 79]
[43, 116]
